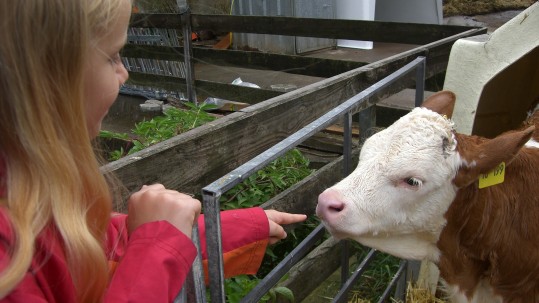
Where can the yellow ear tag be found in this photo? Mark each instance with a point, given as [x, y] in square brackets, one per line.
[496, 176]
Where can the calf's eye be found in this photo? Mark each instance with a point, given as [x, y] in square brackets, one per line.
[413, 181]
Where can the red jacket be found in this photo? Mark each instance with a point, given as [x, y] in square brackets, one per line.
[150, 266]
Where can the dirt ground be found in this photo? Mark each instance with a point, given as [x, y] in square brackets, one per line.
[488, 13]
[480, 7]
[491, 20]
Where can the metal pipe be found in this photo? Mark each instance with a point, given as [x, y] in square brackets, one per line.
[393, 282]
[284, 266]
[188, 52]
[420, 83]
[214, 250]
[341, 295]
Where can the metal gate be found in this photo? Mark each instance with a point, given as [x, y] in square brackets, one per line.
[195, 291]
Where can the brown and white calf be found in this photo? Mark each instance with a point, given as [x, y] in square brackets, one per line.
[415, 195]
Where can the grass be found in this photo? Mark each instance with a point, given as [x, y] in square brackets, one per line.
[375, 280]
[173, 122]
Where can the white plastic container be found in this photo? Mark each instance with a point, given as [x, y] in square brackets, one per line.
[355, 10]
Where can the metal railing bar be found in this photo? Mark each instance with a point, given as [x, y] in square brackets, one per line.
[197, 268]
[341, 295]
[347, 159]
[284, 266]
[347, 144]
[393, 282]
[146, 38]
[194, 286]
[420, 83]
[214, 251]
[213, 191]
[188, 54]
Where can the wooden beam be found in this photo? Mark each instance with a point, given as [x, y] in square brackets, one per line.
[309, 66]
[378, 31]
[204, 89]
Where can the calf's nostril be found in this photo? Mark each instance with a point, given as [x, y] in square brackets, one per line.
[329, 203]
[336, 207]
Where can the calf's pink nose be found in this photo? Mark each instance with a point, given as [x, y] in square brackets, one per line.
[330, 204]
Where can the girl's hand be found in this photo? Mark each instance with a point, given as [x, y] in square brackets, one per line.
[276, 219]
[156, 203]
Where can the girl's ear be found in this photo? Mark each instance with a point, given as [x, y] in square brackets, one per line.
[441, 102]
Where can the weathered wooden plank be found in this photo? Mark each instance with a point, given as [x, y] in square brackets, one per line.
[204, 88]
[392, 32]
[194, 159]
[301, 65]
[314, 269]
[156, 20]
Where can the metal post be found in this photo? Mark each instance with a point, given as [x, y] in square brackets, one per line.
[185, 15]
[214, 248]
[396, 277]
[347, 144]
[347, 155]
[194, 288]
[420, 82]
[341, 295]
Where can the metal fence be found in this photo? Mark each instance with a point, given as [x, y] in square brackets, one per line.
[164, 37]
[195, 289]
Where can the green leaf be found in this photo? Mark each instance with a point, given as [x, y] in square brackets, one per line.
[285, 293]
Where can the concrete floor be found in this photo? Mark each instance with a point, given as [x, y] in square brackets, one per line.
[265, 78]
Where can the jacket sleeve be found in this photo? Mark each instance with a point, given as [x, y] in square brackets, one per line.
[245, 236]
[151, 266]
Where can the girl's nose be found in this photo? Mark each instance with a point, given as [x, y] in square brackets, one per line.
[123, 74]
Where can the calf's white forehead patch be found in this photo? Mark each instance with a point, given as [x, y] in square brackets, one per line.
[378, 203]
[411, 135]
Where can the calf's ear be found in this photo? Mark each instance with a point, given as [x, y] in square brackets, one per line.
[488, 154]
[441, 102]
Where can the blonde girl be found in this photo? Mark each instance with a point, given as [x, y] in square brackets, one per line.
[60, 71]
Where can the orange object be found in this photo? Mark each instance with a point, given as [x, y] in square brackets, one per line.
[224, 43]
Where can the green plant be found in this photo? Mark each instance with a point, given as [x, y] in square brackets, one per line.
[112, 135]
[174, 122]
[238, 287]
[374, 281]
[267, 182]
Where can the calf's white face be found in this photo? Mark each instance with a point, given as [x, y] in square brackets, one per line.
[396, 198]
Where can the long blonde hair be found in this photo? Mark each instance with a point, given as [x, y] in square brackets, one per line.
[52, 177]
